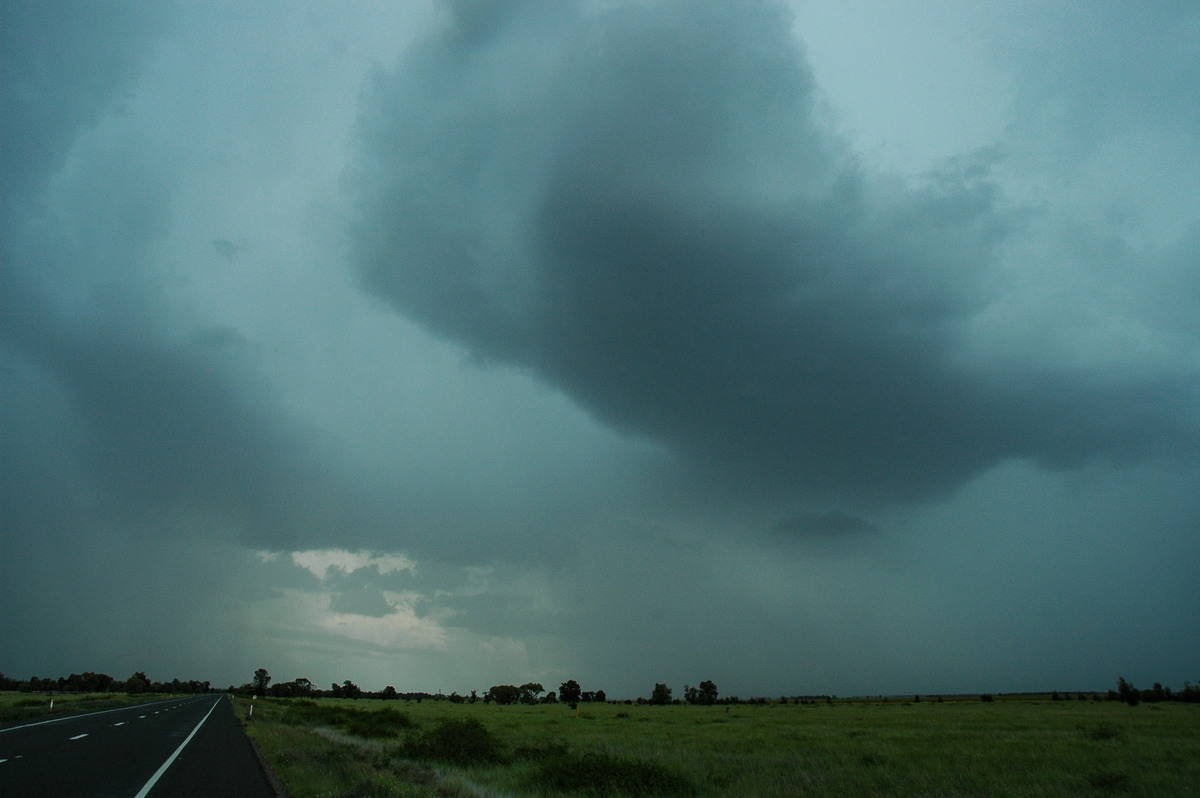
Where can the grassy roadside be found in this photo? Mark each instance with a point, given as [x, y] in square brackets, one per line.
[1027, 747]
[30, 707]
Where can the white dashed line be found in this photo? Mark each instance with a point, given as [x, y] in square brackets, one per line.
[122, 723]
[142, 793]
[77, 737]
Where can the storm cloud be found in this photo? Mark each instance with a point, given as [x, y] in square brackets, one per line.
[645, 205]
[801, 346]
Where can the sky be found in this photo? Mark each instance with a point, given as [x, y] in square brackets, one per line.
[811, 347]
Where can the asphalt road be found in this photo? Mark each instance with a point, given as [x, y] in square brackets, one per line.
[182, 747]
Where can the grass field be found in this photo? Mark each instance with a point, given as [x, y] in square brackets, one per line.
[16, 707]
[1010, 747]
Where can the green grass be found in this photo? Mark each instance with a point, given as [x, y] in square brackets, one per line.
[956, 748]
[30, 707]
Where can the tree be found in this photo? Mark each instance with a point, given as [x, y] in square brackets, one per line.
[504, 694]
[569, 692]
[661, 694]
[1127, 692]
[261, 679]
[530, 692]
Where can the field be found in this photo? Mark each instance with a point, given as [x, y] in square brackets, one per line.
[16, 707]
[1010, 747]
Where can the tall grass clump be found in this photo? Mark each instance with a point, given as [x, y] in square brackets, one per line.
[455, 741]
[386, 722]
[604, 774]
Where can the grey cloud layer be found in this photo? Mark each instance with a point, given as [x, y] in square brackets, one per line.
[644, 205]
[641, 210]
[161, 418]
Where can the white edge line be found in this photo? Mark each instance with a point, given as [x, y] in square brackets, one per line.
[142, 793]
[85, 715]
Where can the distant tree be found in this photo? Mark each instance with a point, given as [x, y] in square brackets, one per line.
[351, 690]
[88, 682]
[661, 694]
[569, 692]
[601, 696]
[261, 679]
[1127, 692]
[986, 698]
[530, 692]
[504, 694]
[389, 693]
[708, 693]
[137, 683]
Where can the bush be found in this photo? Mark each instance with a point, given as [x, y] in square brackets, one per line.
[546, 752]
[458, 741]
[605, 774]
[310, 713]
[385, 722]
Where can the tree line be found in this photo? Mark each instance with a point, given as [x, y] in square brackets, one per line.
[91, 682]
[569, 692]
[1131, 695]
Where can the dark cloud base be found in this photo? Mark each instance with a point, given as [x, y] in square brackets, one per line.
[652, 215]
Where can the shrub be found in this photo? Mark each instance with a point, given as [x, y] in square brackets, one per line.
[459, 741]
[310, 713]
[602, 773]
[385, 722]
[546, 752]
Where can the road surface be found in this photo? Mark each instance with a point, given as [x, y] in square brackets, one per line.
[181, 747]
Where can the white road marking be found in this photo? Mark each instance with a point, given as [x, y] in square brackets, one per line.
[122, 723]
[77, 737]
[142, 793]
[66, 717]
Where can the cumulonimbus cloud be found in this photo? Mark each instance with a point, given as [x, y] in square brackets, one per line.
[643, 204]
